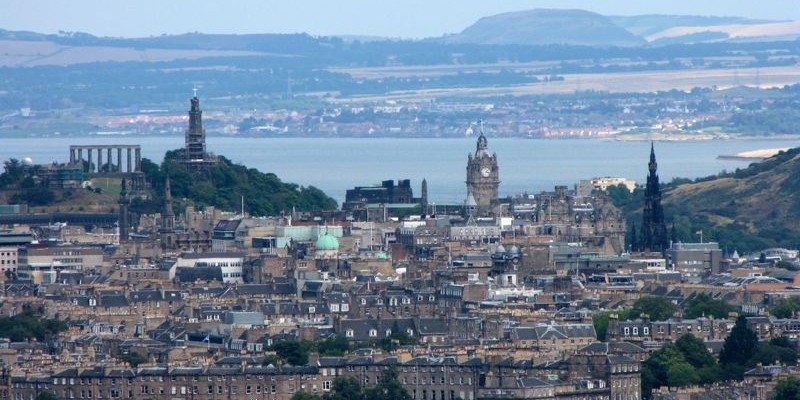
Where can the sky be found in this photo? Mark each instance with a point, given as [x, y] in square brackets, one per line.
[388, 18]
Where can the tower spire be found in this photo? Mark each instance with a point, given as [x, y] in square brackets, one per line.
[482, 143]
[652, 166]
[123, 211]
[654, 229]
[167, 216]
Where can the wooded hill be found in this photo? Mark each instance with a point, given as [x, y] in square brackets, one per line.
[225, 184]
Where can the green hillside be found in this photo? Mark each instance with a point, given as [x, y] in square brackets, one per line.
[224, 185]
[750, 209]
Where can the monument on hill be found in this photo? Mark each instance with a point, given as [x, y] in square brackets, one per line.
[194, 154]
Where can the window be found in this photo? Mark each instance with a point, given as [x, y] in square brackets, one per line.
[326, 385]
[627, 331]
[373, 333]
[348, 333]
[646, 331]
[635, 331]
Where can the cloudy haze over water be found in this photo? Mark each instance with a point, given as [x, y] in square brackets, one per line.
[392, 18]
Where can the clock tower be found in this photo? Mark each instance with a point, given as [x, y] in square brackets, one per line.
[483, 176]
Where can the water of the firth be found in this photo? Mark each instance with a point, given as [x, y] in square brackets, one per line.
[334, 165]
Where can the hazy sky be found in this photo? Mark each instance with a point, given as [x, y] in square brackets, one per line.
[395, 18]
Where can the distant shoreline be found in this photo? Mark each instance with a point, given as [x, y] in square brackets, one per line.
[754, 155]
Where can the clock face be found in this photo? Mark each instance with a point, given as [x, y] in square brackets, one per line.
[485, 171]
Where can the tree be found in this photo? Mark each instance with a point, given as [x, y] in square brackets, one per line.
[787, 389]
[134, 359]
[681, 374]
[703, 304]
[388, 388]
[46, 396]
[305, 396]
[695, 351]
[659, 308]
[785, 308]
[294, 352]
[334, 346]
[740, 345]
[346, 388]
[666, 366]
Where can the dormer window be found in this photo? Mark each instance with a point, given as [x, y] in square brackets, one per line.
[363, 301]
[92, 302]
[410, 332]
[431, 298]
[373, 333]
[348, 333]
[388, 332]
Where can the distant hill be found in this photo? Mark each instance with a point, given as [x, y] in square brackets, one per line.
[749, 209]
[546, 26]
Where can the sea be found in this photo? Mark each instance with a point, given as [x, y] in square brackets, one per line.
[337, 164]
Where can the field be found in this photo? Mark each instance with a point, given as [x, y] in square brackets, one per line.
[15, 53]
[619, 82]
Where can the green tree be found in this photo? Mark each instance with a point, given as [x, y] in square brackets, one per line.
[334, 346]
[134, 359]
[740, 345]
[305, 396]
[659, 308]
[294, 352]
[388, 388]
[346, 388]
[695, 351]
[785, 308]
[656, 369]
[681, 374]
[46, 396]
[786, 389]
[703, 304]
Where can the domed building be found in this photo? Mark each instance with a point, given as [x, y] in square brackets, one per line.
[326, 256]
[327, 246]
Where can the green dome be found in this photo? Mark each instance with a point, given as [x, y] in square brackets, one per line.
[327, 242]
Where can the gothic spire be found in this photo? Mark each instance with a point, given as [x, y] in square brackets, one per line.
[654, 229]
[652, 166]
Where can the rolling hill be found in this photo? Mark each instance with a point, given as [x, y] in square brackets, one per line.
[750, 209]
[546, 26]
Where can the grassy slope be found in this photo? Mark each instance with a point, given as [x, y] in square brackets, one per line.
[750, 209]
